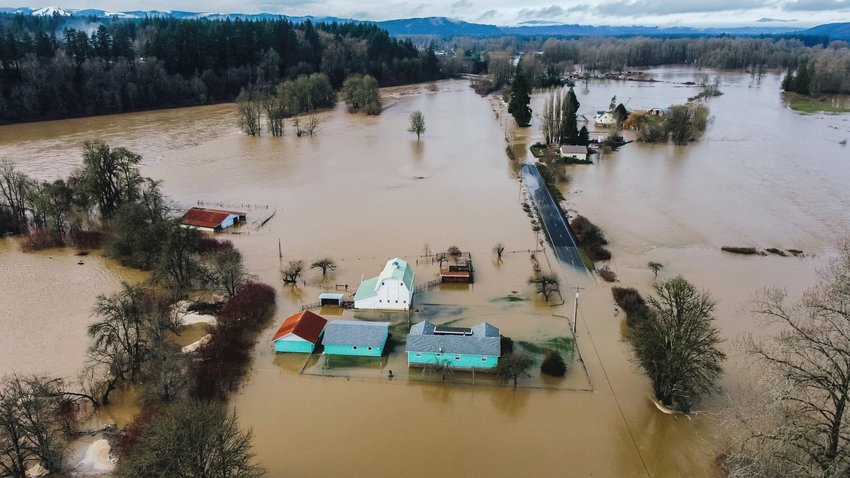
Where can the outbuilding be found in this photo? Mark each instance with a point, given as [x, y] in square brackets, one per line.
[331, 299]
[211, 220]
[575, 153]
[478, 347]
[355, 337]
[299, 333]
[391, 290]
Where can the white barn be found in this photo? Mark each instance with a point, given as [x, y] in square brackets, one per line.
[604, 118]
[391, 290]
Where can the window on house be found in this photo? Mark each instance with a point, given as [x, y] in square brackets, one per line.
[396, 301]
[483, 359]
[418, 354]
[405, 302]
[380, 300]
[439, 355]
[354, 347]
[370, 348]
[457, 357]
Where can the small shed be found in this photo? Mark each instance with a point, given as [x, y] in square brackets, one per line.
[331, 299]
[576, 153]
[299, 333]
[656, 112]
[355, 337]
[212, 220]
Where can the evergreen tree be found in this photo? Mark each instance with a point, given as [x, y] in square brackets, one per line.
[520, 98]
[583, 136]
[569, 122]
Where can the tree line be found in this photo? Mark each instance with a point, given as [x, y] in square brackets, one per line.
[52, 68]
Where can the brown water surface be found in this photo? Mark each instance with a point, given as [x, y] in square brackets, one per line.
[364, 190]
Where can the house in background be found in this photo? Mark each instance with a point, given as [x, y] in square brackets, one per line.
[391, 290]
[660, 112]
[299, 333]
[604, 118]
[211, 220]
[477, 348]
[355, 337]
[575, 153]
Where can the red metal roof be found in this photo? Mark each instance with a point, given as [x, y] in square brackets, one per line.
[306, 325]
[203, 217]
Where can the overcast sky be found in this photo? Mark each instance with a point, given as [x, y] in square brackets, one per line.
[512, 12]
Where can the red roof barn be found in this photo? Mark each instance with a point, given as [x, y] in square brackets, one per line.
[212, 220]
[299, 333]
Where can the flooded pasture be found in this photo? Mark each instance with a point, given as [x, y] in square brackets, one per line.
[365, 190]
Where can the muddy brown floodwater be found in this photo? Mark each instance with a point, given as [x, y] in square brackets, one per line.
[364, 190]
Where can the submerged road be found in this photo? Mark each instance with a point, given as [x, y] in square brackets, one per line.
[554, 225]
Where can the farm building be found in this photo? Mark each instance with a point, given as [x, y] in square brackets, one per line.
[478, 347]
[457, 268]
[211, 220]
[656, 112]
[355, 337]
[577, 153]
[604, 118]
[331, 299]
[392, 289]
[299, 333]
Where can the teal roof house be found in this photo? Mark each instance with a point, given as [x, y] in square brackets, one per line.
[392, 289]
[476, 348]
[355, 337]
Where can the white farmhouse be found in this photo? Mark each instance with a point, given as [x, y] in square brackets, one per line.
[604, 118]
[392, 289]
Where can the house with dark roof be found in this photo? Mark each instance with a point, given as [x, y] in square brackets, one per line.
[478, 347]
[392, 289]
[355, 337]
[299, 333]
[211, 220]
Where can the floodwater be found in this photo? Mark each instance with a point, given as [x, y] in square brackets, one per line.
[364, 190]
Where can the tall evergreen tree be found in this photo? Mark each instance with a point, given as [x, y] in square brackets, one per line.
[520, 98]
[569, 122]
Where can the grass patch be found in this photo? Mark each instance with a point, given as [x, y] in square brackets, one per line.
[538, 150]
[561, 344]
[814, 106]
[510, 298]
[347, 361]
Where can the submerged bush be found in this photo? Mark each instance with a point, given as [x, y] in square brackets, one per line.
[632, 303]
[553, 364]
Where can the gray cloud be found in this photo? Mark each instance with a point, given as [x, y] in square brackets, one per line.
[553, 11]
[461, 5]
[772, 20]
[486, 15]
[629, 8]
[579, 8]
[817, 5]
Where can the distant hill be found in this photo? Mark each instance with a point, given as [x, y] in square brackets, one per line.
[836, 31]
[442, 26]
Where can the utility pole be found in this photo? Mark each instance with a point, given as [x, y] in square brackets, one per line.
[575, 311]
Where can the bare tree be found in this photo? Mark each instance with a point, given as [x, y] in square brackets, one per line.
[292, 272]
[800, 422]
[545, 283]
[499, 249]
[312, 125]
[325, 264]
[275, 110]
[249, 102]
[30, 425]
[417, 124]
[677, 344]
[514, 366]
[15, 188]
[443, 368]
[225, 271]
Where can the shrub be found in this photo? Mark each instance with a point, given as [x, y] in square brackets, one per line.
[41, 238]
[252, 304]
[82, 239]
[632, 303]
[206, 244]
[590, 238]
[553, 364]
[607, 274]
[133, 431]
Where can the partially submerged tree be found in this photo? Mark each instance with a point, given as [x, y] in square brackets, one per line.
[110, 176]
[545, 284]
[325, 264]
[192, 440]
[15, 188]
[417, 124]
[677, 344]
[655, 267]
[30, 425]
[361, 93]
[499, 249]
[292, 272]
[799, 421]
[513, 367]
[443, 368]
[553, 364]
[520, 98]
[250, 104]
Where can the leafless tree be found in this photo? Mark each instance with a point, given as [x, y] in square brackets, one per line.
[325, 264]
[545, 284]
[443, 368]
[514, 366]
[312, 125]
[799, 424]
[15, 188]
[499, 249]
[655, 267]
[292, 272]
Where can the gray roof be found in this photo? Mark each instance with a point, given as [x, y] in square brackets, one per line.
[483, 341]
[571, 149]
[356, 332]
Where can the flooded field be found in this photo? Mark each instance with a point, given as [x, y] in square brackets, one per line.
[364, 190]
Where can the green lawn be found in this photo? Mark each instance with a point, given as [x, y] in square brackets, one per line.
[814, 106]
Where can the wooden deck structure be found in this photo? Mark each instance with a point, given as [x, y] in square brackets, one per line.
[458, 268]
